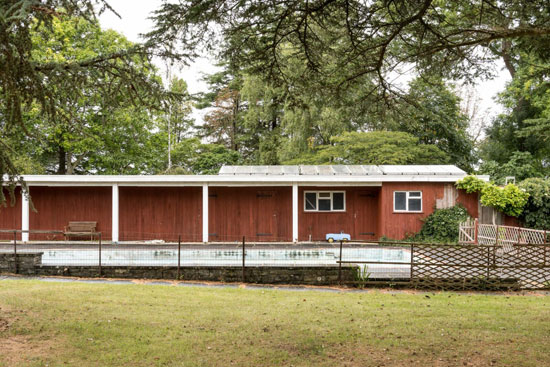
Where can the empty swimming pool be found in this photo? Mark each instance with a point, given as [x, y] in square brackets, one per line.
[293, 256]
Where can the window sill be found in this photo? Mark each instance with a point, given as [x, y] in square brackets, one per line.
[399, 212]
[324, 211]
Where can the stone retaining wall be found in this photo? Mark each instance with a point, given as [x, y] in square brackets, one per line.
[30, 264]
[25, 264]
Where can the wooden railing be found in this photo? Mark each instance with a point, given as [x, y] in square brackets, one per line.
[473, 232]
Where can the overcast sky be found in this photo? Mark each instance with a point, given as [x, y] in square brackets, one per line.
[133, 21]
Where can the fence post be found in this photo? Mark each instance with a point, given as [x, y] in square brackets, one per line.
[179, 256]
[244, 255]
[489, 260]
[497, 235]
[15, 251]
[476, 230]
[100, 272]
[340, 266]
[412, 267]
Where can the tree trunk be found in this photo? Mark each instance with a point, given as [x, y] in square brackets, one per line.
[507, 58]
[234, 124]
[62, 160]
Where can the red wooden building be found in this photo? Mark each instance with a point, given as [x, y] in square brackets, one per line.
[263, 203]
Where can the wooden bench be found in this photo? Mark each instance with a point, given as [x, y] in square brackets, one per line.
[81, 229]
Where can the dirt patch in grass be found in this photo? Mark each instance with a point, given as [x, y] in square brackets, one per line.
[365, 355]
[21, 350]
[4, 324]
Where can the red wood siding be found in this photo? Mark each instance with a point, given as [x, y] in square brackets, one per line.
[512, 221]
[57, 206]
[469, 201]
[399, 225]
[360, 219]
[10, 216]
[150, 213]
[258, 213]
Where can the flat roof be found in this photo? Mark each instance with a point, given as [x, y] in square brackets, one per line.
[304, 175]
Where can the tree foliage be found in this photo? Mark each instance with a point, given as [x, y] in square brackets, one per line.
[518, 140]
[536, 213]
[436, 119]
[364, 38]
[266, 126]
[377, 147]
[520, 165]
[325, 52]
[193, 157]
[91, 134]
[30, 79]
[509, 199]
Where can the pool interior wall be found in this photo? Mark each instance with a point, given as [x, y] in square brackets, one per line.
[225, 256]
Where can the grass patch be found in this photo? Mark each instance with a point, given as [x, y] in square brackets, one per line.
[83, 324]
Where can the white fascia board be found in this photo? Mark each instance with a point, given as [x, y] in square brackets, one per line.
[224, 180]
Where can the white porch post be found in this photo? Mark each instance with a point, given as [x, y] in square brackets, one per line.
[295, 212]
[205, 213]
[25, 215]
[114, 215]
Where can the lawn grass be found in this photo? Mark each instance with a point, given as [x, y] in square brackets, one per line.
[59, 324]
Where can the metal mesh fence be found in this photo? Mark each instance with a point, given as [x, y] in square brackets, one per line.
[437, 266]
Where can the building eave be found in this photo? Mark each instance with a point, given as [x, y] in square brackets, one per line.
[224, 180]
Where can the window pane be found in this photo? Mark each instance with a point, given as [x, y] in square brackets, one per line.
[324, 194]
[415, 194]
[311, 201]
[338, 201]
[324, 204]
[415, 205]
[400, 201]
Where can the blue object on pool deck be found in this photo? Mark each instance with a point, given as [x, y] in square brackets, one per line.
[338, 237]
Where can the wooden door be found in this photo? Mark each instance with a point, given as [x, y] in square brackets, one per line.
[365, 214]
[266, 215]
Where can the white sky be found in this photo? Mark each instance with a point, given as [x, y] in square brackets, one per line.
[133, 21]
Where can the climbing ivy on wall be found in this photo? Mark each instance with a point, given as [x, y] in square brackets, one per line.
[509, 199]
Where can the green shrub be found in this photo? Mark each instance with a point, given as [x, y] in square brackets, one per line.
[442, 225]
[536, 213]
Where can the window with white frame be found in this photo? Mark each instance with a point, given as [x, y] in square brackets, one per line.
[324, 201]
[407, 201]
